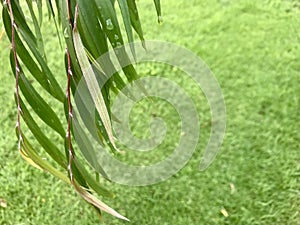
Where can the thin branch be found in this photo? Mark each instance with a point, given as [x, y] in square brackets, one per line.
[70, 116]
[17, 73]
[70, 109]
[83, 192]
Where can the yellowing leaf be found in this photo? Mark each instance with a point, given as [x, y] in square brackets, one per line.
[94, 201]
[29, 160]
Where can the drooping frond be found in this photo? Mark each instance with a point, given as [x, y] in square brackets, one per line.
[89, 29]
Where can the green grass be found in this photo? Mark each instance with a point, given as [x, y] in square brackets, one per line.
[253, 48]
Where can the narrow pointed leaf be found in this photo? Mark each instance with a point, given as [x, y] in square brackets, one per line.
[135, 20]
[21, 20]
[54, 86]
[51, 13]
[45, 77]
[39, 4]
[28, 159]
[25, 56]
[158, 10]
[108, 18]
[94, 201]
[92, 182]
[32, 155]
[37, 26]
[92, 34]
[38, 104]
[93, 87]
[44, 141]
[127, 23]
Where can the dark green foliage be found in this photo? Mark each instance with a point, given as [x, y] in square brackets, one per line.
[89, 28]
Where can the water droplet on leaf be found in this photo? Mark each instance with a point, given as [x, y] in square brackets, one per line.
[109, 24]
[160, 19]
[66, 35]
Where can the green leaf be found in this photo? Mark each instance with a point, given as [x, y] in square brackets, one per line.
[20, 20]
[135, 20]
[51, 13]
[67, 31]
[38, 34]
[59, 9]
[109, 21]
[127, 23]
[97, 26]
[91, 32]
[39, 4]
[44, 77]
[43, 164]
[92, 182]
[24, 55]
[158, 10]
[55, 89]
[44, 141]
[38, 104]
[94, 201]
[108, 18]
[93, 87]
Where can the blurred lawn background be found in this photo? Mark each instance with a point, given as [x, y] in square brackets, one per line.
[253, 48]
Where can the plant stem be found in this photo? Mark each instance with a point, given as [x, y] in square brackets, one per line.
[17, 74]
